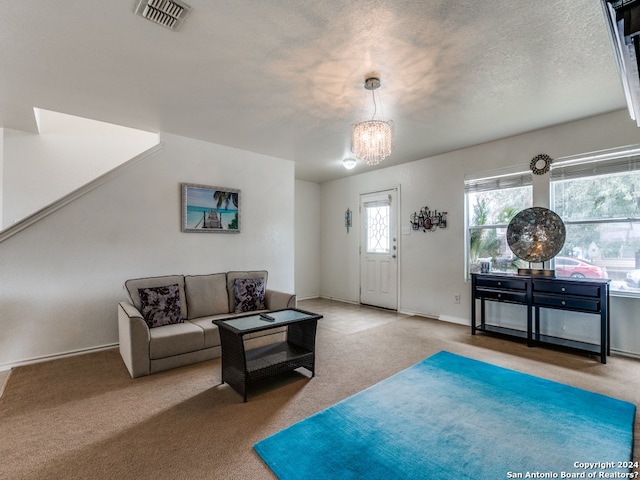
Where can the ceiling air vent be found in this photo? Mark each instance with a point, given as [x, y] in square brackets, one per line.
[168, 13]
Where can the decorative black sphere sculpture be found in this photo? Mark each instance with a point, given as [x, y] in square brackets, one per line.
[536, 235]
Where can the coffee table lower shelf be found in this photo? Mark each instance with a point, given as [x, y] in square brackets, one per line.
[264, 362]
[277, 358]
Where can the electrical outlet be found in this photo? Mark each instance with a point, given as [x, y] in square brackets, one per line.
[456, 298]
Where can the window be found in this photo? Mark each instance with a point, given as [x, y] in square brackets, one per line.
[491, 202]
[598, 198]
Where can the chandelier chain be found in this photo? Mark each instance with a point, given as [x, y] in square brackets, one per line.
[375, 106]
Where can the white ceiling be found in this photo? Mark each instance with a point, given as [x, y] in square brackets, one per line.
[285, 77]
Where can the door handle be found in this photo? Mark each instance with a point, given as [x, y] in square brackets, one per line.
[393, 256]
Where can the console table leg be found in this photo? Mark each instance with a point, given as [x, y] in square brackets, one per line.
[604, 337]
[530, 327]
[473, 316]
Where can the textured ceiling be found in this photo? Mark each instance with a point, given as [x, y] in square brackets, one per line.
[285, 78]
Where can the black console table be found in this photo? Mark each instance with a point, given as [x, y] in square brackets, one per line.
[536, 292]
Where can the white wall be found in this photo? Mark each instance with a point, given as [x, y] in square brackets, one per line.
[67, 153]
[1, 171]
[307, 241]
[62, 277]
[432, 264]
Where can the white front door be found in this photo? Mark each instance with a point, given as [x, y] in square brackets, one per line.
[379, 249]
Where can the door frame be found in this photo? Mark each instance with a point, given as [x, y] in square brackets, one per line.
[397, 211]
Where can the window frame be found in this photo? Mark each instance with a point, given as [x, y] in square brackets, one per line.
[589, 166]
[487, 181]
[614, 160]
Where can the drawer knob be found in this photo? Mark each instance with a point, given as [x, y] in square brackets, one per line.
[563, 289]
[499, 283]
[563, 302]
[499, 295]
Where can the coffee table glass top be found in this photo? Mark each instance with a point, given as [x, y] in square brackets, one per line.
[268, 319]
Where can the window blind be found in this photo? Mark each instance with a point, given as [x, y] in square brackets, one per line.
[520, 179]
[599, 164]
[380, 203]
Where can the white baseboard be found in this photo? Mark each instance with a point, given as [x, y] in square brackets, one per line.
[3, 382]
[46, 358]
[418, 314]
[310, 297]
[624, 353]
[458, 320]
[337, 299]
[442, 318]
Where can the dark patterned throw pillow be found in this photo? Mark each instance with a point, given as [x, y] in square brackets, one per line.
[249, 294]
[160, 305]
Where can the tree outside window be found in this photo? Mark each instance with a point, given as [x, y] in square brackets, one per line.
[490, 212]
[602, 217]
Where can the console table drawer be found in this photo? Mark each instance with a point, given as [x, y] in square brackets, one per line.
[567, 288]
[501, 295]
[569, 303]
[507, 283]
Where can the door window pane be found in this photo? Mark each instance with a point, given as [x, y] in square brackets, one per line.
[378, 229]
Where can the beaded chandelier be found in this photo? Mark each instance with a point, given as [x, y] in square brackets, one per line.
[371, 140]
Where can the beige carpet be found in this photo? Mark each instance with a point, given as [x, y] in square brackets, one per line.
[83, 417]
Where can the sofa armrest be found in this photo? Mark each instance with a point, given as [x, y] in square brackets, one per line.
[134, 337]
[275, 300]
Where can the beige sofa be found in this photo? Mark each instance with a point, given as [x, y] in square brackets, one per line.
[197, 300]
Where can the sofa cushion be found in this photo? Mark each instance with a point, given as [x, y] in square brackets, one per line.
[249, 294]
[175, 339]
[231, 280]
[206, 295]
[132, 286]
[210, 329]
[160, 305]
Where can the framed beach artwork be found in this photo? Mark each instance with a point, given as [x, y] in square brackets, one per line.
[208, 209]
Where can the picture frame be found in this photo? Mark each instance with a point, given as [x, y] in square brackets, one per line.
[208, 209]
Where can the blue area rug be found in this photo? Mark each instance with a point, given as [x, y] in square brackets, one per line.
[453, 417]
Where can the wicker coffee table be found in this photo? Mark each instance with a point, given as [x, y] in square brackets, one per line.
[240, 366]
